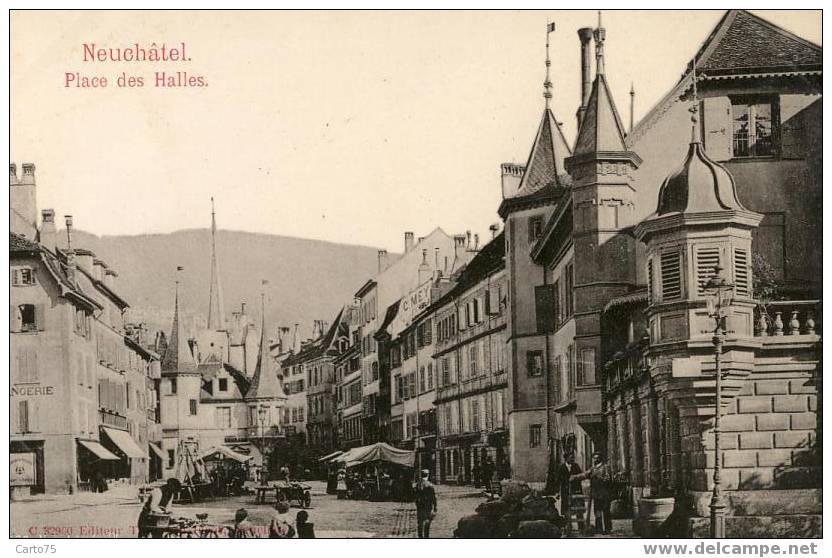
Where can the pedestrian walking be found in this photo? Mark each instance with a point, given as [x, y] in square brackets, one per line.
[426, 507]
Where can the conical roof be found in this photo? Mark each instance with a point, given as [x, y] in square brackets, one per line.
[264, 383]
[601, 128]
[178, 356]
[546, 159]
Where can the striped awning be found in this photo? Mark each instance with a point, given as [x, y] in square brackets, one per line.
[98, 450]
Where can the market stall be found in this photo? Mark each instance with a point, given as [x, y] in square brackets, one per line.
[377, 472]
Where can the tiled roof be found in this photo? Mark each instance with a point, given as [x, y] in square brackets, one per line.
[178, 356]
[743, 40]
[545, 165]
[18, 243]
[389, 316]
[601, 127]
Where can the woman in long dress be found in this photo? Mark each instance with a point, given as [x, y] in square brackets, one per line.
[341, 485]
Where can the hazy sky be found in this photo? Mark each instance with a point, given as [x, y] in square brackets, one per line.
[350, 126]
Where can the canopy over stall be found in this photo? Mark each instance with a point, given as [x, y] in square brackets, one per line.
[222, 452]
[330, 457]
[379, 452]
[99, 451]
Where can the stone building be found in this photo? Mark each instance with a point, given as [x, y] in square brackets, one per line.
[82, 391]
[609, 247]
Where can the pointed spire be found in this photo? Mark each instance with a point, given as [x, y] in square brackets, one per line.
[547, 84]
[216, 315]
[601, 127]
[694, 107]
[600, 37]
[178, 356]
[265, 383]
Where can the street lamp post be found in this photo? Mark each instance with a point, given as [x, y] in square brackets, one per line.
[261, 415]
[719, 296]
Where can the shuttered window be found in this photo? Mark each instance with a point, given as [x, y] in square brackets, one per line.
[671, 275]
[707, 259]
[650, 281]
[742, 275]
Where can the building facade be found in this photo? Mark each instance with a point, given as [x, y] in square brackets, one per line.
[82, 390]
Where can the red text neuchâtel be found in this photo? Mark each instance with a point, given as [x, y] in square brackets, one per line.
[93, 53]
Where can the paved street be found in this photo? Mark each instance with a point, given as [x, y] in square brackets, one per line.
[113, 514]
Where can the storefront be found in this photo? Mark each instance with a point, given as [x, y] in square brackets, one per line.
[26, 472]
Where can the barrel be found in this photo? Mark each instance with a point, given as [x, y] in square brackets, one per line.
[652, 513]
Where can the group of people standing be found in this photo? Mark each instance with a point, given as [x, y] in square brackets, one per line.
[569, 477]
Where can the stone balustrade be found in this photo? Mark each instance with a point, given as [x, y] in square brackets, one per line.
[788, 317]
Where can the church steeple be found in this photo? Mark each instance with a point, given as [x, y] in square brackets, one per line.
[265, 383]
[178, 356]
[216, 315]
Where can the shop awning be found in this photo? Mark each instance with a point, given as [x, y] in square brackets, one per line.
[98, 450]
[330, 456]
[124, 442]
[157, 450]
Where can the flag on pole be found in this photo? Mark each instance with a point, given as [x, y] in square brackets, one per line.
[550, 27]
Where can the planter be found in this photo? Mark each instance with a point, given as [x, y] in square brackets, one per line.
[652, 513]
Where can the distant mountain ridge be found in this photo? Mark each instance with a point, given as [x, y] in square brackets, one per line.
[308, 279]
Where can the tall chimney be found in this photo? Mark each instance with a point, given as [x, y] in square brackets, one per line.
[511, 176]
[71, 268]
[424, 267]
[494, 228]
[585, 35]
[382, 260]
[408, 241]
[476, 241]
[48, 234]
[468, 239]
[632, 105]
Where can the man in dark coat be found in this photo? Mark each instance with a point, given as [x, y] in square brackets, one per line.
[600, 489]
[568, 484]
[425, 505]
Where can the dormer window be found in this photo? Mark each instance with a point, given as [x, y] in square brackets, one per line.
[754, 124]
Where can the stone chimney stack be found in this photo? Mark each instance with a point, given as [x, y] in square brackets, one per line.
[511, 176]
[382, 260]
[99, 269]
[585, 35]
[476, 241]
[459, 247]
[23, 211]
[71, 266]
[48, 234]
[424, 267]
[408, 242]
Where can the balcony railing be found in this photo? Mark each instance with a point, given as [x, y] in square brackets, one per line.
[625, 366]
[788, 317]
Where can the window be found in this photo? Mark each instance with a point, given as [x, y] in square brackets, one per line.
[374, 368]
[586, 367]
[422, 380]
[753, 125]
[223, 384]
[535, 435]
[222, 418]
[430, 376]
[173, 386]
[192, 407]
[671, 275]
[475, 415]
[171, 458]
[23, 276]
[472, 361]
[446, 371]
[399, 389]
[534, 363]
[28, 317]
[82, 323]
[544, 305]
[650, 281]
[27, 366]
[252, 415]
[568, 295]
[535, 228]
